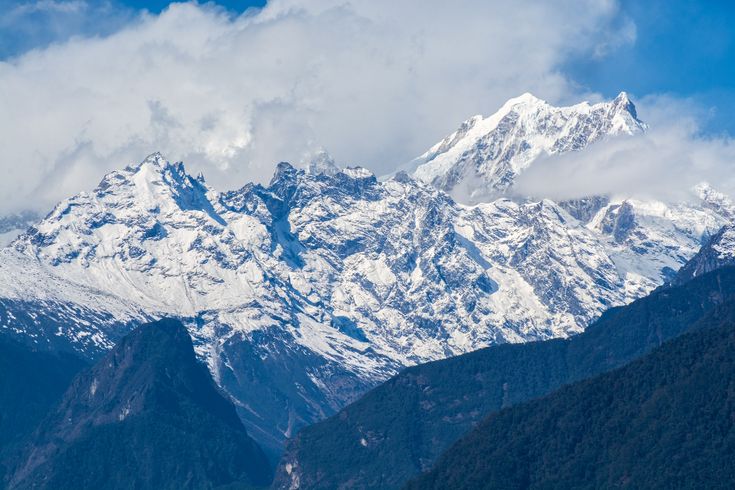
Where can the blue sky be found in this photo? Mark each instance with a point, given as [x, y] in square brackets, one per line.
[28, 24]
[683, 48]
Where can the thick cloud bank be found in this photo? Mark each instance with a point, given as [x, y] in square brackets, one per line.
[375, 82]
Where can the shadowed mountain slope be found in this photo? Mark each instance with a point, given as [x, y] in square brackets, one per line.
[664, 421]
[147, 415]
[31, 383]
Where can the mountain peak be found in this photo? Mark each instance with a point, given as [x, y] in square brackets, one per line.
[145, 201]
[155, 167]
[154, 171]
[321, 162]
[284, 171]
[525, 98]
[717, 252]
[167, 334]
[154, 160]
[484, 156]
[622, 97]
[622, 103]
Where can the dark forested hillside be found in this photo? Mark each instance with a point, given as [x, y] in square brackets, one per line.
[664, 421]
[31, 383]
[399, 429]
[147, 415]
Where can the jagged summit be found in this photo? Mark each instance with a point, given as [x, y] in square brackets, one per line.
[152, 165]
[483, 157]
[155, 159]
[153, 175]
[284, 170]
[528, 101]
[623, 102]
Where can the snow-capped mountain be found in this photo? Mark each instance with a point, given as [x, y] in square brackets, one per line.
[483, 157]
[303, 294]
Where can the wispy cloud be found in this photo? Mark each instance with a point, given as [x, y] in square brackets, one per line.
[65, 6]
[25, 8]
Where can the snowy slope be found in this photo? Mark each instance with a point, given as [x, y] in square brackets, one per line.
[303, 294]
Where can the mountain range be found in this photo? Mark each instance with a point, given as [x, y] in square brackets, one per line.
[303, 294]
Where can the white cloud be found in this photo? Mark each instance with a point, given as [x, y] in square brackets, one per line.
[375, 82]
[47, 6]
[665, 163]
